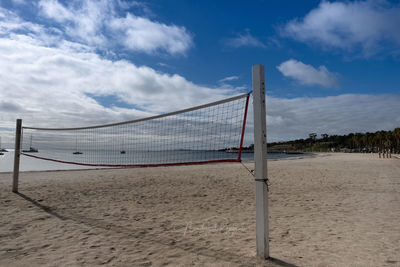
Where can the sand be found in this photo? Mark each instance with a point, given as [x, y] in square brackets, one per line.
[329, 210]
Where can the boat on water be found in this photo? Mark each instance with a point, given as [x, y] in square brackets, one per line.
[31, 148]
[122, 151]
[76, 148]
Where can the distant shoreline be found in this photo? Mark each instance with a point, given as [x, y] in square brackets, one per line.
[31, 164]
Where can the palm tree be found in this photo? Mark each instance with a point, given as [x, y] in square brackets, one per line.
[312, 136]
[396, 136]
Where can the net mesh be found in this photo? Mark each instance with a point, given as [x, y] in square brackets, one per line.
[205, 134]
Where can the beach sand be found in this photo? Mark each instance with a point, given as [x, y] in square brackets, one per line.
[328, 210]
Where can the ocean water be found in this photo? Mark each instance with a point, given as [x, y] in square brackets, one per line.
[103, 157]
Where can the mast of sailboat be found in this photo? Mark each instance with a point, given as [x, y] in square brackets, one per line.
[76, 147]
[122, 151]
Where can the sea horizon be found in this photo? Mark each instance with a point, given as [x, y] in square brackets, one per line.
[34, 164]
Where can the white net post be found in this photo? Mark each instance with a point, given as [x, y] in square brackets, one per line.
[260, 161]
[17, 155]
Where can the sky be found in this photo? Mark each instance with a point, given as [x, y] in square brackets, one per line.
[331, 66]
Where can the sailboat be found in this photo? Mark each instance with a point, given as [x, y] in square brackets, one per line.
[76, 148]
[31, 148]
[122, 151]
[2, 149]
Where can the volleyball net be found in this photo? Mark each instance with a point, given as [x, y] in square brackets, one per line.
[208, 133]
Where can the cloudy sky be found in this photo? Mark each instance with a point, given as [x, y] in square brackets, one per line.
[331, 66]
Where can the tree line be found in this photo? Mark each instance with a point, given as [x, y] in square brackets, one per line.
[353, 142]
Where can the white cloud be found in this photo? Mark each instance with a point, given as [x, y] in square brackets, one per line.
[229, 79]
[296, 118]
[97, 24]
[307, 74]
[50, 81]
[83, 23]
[53, 9]
[245, 39]
[368, 25]
[141, 34]
[51, 86]
[15, 28]
[10, 22]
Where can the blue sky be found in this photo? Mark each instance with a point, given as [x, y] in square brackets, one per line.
[218, 27]
[331, 66]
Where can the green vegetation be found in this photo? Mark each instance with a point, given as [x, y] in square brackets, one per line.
[354, 142]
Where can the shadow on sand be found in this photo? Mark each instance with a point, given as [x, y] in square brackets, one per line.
[187, 246]
[43, 207]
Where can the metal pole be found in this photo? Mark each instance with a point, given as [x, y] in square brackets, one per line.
[17, 155]
[260, 161]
